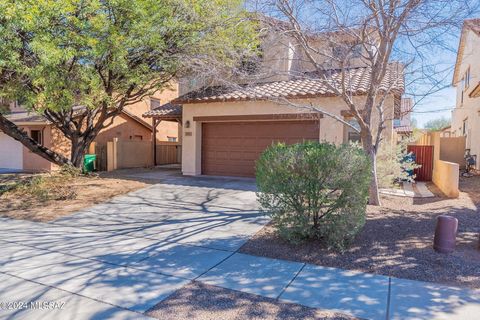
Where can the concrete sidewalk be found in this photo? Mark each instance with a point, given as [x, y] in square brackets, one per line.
[410, 190]
[121, 258]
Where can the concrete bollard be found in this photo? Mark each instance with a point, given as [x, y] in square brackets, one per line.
[445, 234]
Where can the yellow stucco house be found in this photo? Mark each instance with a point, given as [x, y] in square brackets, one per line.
[466, 79]
[224, 129]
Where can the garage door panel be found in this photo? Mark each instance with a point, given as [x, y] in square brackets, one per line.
[11, 153]
[231, 149]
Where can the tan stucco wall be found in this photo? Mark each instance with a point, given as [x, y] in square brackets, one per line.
[166, 95]
[330, 129]
[31, 161]
[124, 128]
[446, 177]
[470, 108]
[168, 129]
[452, 149]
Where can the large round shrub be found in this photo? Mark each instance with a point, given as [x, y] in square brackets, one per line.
[315, 190]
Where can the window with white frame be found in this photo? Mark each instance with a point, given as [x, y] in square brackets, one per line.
[353, 135]
[465, 127]
[466, 79]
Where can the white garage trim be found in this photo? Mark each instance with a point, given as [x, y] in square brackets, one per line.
[11, 153]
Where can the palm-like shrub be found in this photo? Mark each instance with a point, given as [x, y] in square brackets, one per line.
[315, 190]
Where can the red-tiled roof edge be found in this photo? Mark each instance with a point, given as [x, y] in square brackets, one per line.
[270, 90]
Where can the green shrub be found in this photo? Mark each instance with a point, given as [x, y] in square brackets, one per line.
[315, 190]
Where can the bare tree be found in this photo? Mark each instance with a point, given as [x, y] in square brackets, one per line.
[391, 39]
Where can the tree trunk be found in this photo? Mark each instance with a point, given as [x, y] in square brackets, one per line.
[10, 129]
[79, 148]
[374, 196]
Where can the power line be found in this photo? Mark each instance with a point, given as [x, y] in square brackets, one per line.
[431, 111]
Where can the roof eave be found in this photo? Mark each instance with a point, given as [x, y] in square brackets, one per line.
[303, 96]
[475, 93]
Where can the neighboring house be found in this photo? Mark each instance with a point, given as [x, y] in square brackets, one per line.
[466, 78]
[125, 127]
[446, 132]
[128, 126]
[167, 131]
[403, 125]
[225, 128]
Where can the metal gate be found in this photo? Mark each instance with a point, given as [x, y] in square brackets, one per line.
[423, 157]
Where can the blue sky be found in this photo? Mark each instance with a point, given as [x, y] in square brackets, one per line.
[434, 51]
[442, 100]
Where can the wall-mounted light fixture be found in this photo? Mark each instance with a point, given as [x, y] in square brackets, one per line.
[187, 124]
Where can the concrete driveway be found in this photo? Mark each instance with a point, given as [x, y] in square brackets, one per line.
[120, 258]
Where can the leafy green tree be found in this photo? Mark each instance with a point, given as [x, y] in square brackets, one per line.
[437, 124]
[80, 62]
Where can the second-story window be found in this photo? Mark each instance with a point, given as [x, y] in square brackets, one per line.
[466, 79]
[154, 103]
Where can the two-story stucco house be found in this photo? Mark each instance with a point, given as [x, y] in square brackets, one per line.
[466, 79]
[128, 126]
[225, 128]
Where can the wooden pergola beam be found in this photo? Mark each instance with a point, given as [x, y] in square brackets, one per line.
[155, 123]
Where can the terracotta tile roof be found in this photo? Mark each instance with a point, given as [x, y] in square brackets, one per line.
[403, 129]
[358, 81]
[166, 111]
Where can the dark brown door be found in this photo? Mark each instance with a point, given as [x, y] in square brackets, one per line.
[231, 148]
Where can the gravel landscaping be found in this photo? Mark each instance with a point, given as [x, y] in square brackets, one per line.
[397, 240]
[201, 301]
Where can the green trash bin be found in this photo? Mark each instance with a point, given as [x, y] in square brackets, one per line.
[89, 163]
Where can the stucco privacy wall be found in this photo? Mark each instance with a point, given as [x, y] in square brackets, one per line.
[128, 154]
[446, 177]
[330, 129]
[453, 150]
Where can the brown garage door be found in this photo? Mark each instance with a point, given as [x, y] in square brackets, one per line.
[231, 148]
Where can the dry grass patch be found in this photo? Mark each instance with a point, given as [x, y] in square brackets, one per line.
[48, 196]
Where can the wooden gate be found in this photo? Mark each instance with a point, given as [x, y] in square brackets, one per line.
[101, 152]
[423, 157]
[168, 153]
